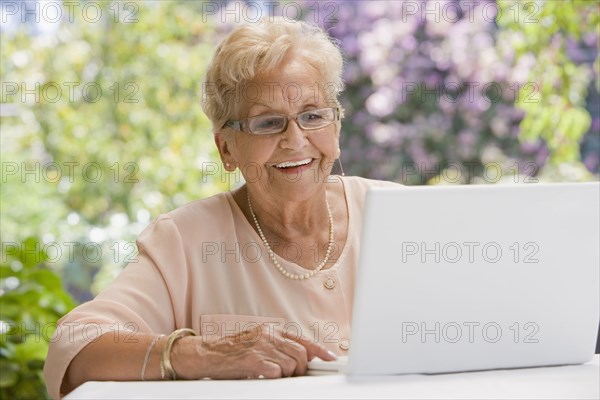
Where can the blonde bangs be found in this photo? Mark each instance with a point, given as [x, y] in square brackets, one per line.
[253, 49]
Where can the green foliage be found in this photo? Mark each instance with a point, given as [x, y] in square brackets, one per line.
[555, 107]
[130, 145]
[140, 125]
[32, 299]
[142, 136]
[432, 95]
[148, 147]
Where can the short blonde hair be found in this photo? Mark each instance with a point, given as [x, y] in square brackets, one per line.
[259, 48]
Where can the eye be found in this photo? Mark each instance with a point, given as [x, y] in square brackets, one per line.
[311, 116]
[265, 124]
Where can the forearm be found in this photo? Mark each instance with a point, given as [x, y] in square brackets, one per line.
[119, 356]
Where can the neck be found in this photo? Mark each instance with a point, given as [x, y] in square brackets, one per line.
[288, 219]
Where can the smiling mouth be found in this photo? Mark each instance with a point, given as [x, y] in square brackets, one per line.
[292, 164]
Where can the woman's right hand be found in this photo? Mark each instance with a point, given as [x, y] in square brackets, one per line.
[256, 353]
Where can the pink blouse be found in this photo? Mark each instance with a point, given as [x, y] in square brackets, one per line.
[203, 266]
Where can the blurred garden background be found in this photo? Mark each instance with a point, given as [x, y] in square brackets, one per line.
[101, 126]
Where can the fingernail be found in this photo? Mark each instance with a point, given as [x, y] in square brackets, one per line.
[332, 354]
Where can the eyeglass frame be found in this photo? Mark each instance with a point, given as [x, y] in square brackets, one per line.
[237, 124]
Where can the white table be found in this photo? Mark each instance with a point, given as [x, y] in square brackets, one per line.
[573, 382]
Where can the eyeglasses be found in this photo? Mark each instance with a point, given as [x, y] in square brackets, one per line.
[272, 124]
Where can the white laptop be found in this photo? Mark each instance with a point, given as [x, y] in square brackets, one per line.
[463, 278]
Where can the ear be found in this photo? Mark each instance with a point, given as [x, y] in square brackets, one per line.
[223, 144]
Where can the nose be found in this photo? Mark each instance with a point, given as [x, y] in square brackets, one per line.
[293, 137]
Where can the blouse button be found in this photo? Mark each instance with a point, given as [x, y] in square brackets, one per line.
[329, 283]
[344, 344]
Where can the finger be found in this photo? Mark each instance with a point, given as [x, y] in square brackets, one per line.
[255, 368]
[288, 354]
[286, 363]
[323, 354]
[295, 351]
[268, 369]
[267, 352]
[313, 349]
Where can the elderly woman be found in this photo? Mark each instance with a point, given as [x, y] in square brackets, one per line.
[250, 283]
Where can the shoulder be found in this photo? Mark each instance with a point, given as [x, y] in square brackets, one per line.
[359, 186]
[211, 207]
[190, 219]
[355, 188]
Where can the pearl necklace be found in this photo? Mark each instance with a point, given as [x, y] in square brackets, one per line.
[272, 254]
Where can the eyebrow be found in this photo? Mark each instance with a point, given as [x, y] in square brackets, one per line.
[308, 102]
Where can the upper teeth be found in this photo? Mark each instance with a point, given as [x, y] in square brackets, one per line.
[287, 164]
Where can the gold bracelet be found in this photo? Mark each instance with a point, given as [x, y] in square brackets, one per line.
[166, 353]
[148, 354]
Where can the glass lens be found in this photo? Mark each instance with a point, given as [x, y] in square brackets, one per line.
[265, 125]
[315, 119]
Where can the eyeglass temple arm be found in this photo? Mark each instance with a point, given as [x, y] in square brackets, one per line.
[233, 124]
